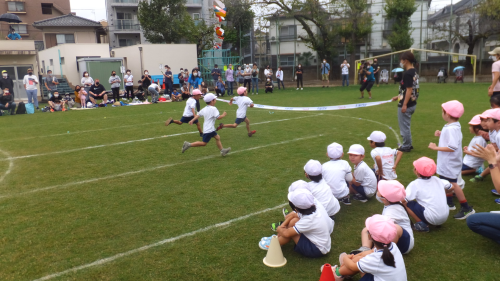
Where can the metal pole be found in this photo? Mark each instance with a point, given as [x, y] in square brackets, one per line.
[60, 66]
[277, 43]
[240, 44]
[449, 42]
[294, 49]
[421, 19]
[481, 56]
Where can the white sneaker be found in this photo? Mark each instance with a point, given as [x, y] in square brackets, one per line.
[302, 88]
[225, 151]
[297, 88]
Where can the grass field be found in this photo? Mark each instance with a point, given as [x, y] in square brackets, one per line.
[89, 185]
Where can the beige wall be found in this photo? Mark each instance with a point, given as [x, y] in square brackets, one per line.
[82, 34]
[69, 52]
[173, 55]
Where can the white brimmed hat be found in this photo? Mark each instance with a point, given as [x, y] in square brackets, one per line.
[495, 51]
[377, 136]
[296, 185]
[335, 150]
[356, 149]
[209, 97]
[313, 168]
[302, 198]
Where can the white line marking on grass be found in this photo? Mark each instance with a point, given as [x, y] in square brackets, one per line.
[140, 140]
[11, 165]
[150, 169]
[395, 134]
[157, 244]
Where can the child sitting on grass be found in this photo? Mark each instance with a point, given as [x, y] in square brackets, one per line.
[472, 163]
[319, 189]
[384, 262]
[243, 102]
[337, 173]
[383, 156]
[490, 124]
[364, 181]
[176, 96]
[391, 193]
[449, 155]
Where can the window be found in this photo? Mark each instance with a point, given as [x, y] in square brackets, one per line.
[51, 62]
[43, 66]
[47, 8]
[15, 7]
[65, 38]
[288, 32]
[286, 61]
[126, 42]
[196, 16]
[124, 16]
[62, 60]
[20, 28]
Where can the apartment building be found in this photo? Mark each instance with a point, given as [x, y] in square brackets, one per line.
[124, 28]
[30, 11]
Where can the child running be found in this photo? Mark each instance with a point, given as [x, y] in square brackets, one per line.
[211, 114]
[449, 155]
[383, 156]
[472, 163]
[384, 262]
[189, 112]
[320, 189]
[243, 102]
[364, 181]
[337, 173]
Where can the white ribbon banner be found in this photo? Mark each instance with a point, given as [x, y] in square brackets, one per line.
[318, 108]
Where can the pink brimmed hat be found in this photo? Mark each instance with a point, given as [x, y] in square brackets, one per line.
[241, 90]
[392, 190]
[454, 108]
[382, 228]
[425, 166]
[487, 114]
[476, 120]
[196, 92]
[495, 113]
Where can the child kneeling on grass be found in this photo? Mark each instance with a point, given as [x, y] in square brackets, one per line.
[383, 156]
[189, 112]
[211, 114]
[391, 193]
[243, 102]
[384, 262]
[308, 227]
[319, 189]
[364, 182]
[471, 163]
[337, 173]
[449, 155]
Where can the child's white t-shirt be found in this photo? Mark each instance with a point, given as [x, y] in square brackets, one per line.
[190, 104]
[317, 227]
[322, 192]
[366, 177]
[449, 164]
[243, 103]
[398, 214]
[387, 155]
[374, 264]
[210, 113]
[334, 173]
[430, 193]
[493, 136]
[472, 161]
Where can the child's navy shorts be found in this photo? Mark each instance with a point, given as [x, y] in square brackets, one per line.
[448, 179]
[306, 248]
[207, 137]
[404, 242]
[368, 277]
[239, 120]
[360, 189]
[465, 167]
[187, 119]
[418, 210]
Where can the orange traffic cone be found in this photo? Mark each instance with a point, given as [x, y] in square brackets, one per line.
[163, 85]
[274, 257]
[327, 273]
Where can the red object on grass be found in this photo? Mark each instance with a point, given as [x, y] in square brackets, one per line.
[327, 274]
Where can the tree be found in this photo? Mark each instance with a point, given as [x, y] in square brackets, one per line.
[489, 9]
[164, 21]
[400, 12]
[305, 58]
[202, 35]
[239, 18]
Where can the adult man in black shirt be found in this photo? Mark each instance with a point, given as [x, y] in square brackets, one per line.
[145, 80]
[168, 79]
[97, 92]
[56, 102]
[7, 82]
[376, 71]
[7, 102]
[407, 99]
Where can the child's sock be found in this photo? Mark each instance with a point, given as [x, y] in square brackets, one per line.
[464, 204]
[449, 199]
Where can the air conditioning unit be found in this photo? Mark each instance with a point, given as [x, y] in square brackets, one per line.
[384, 44]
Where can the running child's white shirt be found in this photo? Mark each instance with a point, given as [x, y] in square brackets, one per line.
[374, 264]
[366, 177]
[430, 193]
[317, 227]
[387, 155]
[210, 113]
[190, 104]
[472, 161]
[398, 214]
[334, 173]
[493, 136]
[243, 103]
[321, 191]
[449, 164]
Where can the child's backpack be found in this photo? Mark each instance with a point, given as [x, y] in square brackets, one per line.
[30, 108]
[21, 108]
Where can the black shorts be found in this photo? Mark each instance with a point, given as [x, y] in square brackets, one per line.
[187, 119]
[367, 85]
[207, 137]
[98, 97]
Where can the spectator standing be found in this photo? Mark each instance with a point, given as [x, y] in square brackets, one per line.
[30, 82]
[154, 91]
[216, 73]
[368, 82]
[268, 72]
[7, 82]
[115, 82]
[345, 73]
[194, 80]
[279, 78]
[325, 73]
[146, 80]
[298, 73]
[168, 79]
[239, 77]
[51, 82]
[247, 78]
[494, 89]
[230, 80]
[376, 71]
[13, 35]
[255, 79]
[87, 82]
[180, 77]
[7, 101]
[129, 85]
[97, 92]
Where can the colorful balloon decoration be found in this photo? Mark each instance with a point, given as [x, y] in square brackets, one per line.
[220, 12]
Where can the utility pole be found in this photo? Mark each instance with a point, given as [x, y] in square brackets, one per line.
[450, 46]
[421, 19]
[240, 44]
[277, 42]
[294, 48]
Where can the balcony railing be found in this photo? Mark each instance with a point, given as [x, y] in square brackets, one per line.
[128, 25]
[287, 37]
[126, 1]
[193, 2]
